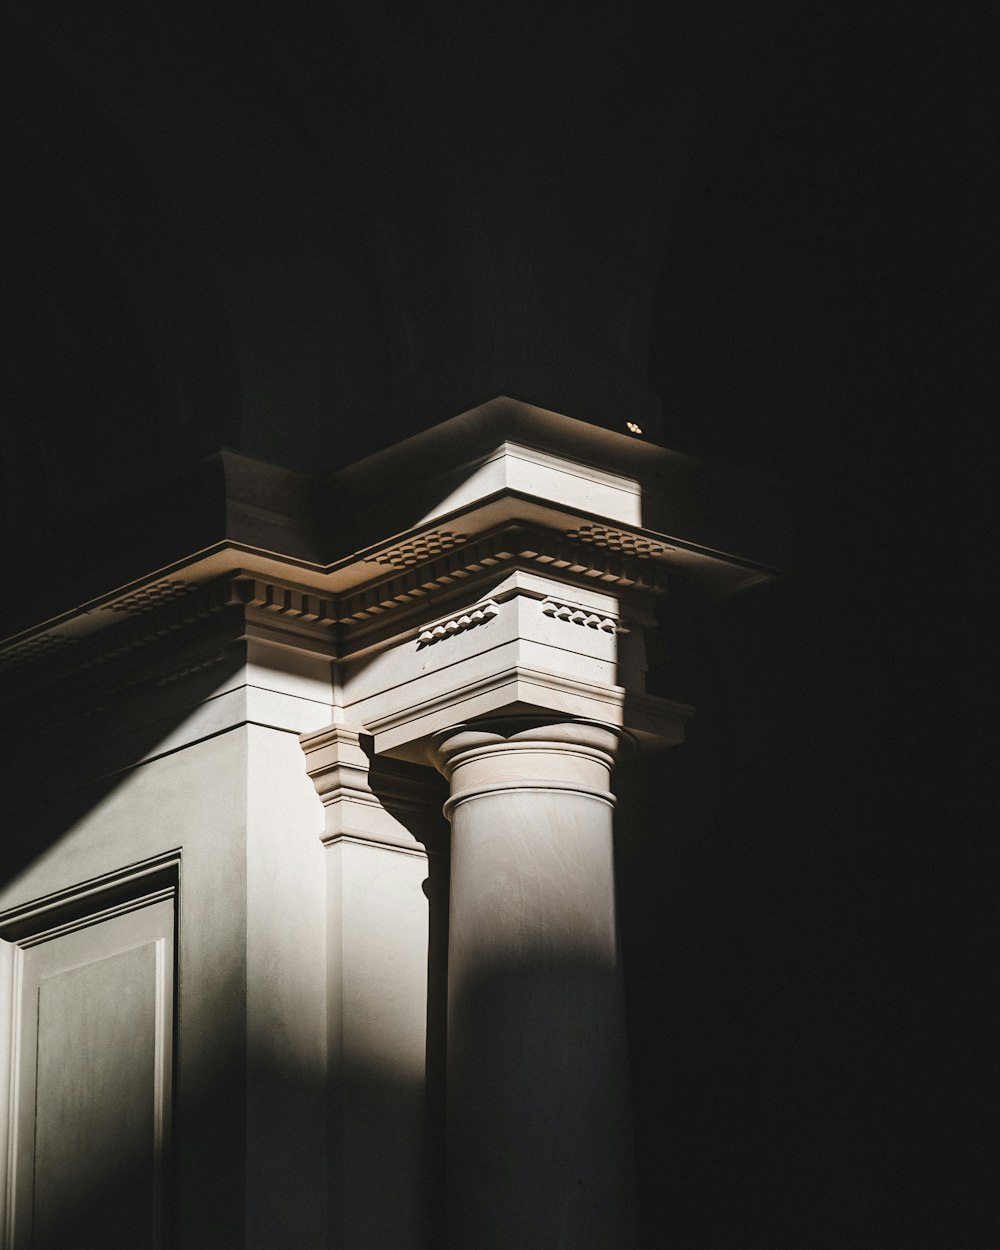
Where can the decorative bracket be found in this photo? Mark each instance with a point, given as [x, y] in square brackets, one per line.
[377, 802]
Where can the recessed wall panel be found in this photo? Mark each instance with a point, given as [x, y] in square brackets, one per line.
[89, 1105]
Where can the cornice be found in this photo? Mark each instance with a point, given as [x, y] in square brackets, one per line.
[627, 542]
[294, 614]
[525, 547]
[114, 635]
[418, 550]
[153, 595]
[504, 482]
[503, 490]
[23, 651]
[159, 640]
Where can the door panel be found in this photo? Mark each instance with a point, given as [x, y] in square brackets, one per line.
[91, 1065]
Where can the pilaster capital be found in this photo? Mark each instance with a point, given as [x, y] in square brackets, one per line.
[377, 801]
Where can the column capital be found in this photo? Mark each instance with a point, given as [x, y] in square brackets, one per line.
[453, 746]
[528, 756]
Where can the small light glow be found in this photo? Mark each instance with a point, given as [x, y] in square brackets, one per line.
[635, 429]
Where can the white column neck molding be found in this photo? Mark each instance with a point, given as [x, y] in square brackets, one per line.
[569, 757]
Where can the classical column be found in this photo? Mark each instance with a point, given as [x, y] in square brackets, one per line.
[539, 1122]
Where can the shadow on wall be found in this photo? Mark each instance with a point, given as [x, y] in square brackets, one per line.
[207, 1191]
[104, 1204]
[750, 866]
[251, 1121]
[397, 1116]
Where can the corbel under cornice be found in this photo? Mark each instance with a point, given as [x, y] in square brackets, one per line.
[375, 802]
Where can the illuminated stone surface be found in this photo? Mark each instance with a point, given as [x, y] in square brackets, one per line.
[364, 1003]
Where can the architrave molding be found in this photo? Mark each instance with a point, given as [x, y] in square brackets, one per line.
[653, 721]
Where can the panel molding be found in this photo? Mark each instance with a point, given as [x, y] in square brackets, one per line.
[57, 916]
[29, 923]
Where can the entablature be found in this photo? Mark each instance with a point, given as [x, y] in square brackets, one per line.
[504, 484]
[504, 563]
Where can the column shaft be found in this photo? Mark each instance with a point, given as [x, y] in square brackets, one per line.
[538, 1102]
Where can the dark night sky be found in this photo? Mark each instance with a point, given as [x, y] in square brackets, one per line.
[311, 231]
